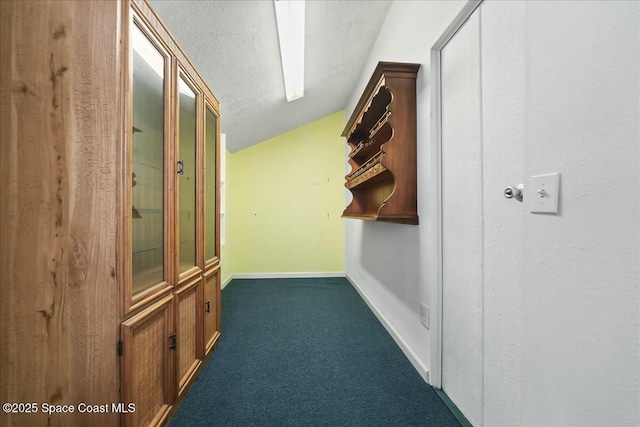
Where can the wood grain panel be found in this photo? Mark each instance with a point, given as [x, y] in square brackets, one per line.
[188, 327]
[58, 284]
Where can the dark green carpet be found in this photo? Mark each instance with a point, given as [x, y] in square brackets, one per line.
[306, 352]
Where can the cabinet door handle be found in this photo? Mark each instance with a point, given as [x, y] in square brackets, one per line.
[180, 167]
[207, 306]
[172, 341]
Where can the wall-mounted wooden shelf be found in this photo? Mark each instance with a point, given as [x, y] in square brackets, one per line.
[382, 136]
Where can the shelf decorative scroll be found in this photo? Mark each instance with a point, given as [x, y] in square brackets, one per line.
[366, 166]
[371, 172]
[357, 149]
[381, 97]
[381, 122]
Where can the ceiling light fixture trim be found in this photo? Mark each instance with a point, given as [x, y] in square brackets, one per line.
[290, 16]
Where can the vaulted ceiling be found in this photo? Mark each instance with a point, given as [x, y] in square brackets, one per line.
[234, 46]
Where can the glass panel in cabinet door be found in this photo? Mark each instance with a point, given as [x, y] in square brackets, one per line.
[147, 163]
[211, 135]
[187, 176]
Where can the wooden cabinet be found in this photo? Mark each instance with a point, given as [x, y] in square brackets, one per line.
[147, 364]
[170, 170]
[109, 213]
[381, 134]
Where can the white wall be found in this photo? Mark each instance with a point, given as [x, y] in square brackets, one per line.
[581, 296]
[575, 318]
[389, 263]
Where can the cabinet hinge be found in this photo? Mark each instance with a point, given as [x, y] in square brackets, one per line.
[172, 341]
[120, 348]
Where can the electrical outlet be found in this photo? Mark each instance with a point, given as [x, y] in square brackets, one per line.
[424, 315]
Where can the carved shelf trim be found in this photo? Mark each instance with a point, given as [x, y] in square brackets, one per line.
[365, 166]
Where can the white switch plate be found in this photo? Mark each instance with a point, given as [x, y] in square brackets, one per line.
[543, 193]
[424, 315]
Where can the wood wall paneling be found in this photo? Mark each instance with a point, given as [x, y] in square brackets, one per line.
[58, 281]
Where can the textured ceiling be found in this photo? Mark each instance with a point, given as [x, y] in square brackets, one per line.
[234, 46]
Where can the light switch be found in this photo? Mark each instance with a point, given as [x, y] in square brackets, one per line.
[543, 193]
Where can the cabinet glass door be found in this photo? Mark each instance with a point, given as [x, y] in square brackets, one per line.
[211, 135]
[187, 176]
[147, 164]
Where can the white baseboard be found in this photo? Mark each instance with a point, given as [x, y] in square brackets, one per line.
[287, 275]
[413, 358]
[226, 282]
[283, 275]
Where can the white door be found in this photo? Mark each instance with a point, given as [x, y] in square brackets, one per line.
[462, 228]
[482, 154]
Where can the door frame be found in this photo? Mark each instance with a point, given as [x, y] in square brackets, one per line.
[436, 166]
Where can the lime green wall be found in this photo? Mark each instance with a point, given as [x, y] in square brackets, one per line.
[285, 196]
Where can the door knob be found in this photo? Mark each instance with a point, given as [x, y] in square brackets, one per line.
[514, 192]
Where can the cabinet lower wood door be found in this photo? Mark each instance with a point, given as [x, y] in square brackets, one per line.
[211, 308]
[189, 331]
[147, 364]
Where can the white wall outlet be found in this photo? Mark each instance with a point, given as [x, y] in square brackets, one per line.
[424, 315]
[543, 193]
